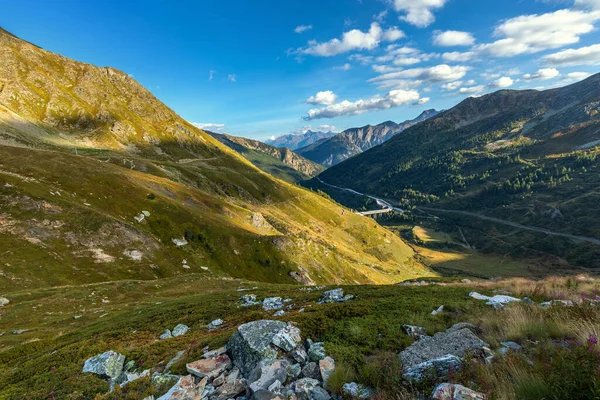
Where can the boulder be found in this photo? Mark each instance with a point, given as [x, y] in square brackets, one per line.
[416, 332]
[233, 386]
[267, 373]
[332, 296]
[180, 330]
[299, 355]
[279, 313]
[357, 391]
[179, 242]
[4, 301]
[248, 300]
[309, 389]
[498, 301]
[449, 391]
[209, 367]
[272, 303]
[259, 341]
[438, 311]
[326, 367]
[107, 365]
[453, 342]
[434, 369]
[316, 351]
[511, 346]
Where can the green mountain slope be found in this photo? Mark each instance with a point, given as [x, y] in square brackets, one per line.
[84, 150]
[280, 162]
[332, 151]
[525, 156]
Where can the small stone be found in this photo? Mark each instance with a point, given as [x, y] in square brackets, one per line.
[272, 303]
[146, 213]
[294, 370]
[166, 335]
[179, 242]
[4, 301]
[139, 217]
[416, 332]
[266, 373]
[311, 370]
[438, 311]
[108, 364]
[279, 313]
[299, 355]
[185, 388]
[248, 300]
[215, 324]
[357, 391]
[216, 352]
[19, 331]
[180, 330]
[332, 296]
[309, 389]
[450, 391]
[511, 346]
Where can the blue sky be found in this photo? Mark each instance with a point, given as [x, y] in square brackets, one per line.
[286, 66]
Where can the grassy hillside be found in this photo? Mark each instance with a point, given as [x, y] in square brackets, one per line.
[84, 150]
[525, 156]
[279, 162]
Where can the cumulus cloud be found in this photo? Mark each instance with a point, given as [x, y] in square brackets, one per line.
[438, 73]
[502, 82]
[326, 97]
[209, 126]
[394, 98]
[418, 12]
[577, 76]
[593, 4]
[457, 56]
[472, 89]
[326, 127]
[534, 33]
[453, 38]
[451, 86]
[352, 40]
[589, 55]
[542, 74]
[302, 28]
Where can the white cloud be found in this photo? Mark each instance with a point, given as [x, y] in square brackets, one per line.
[394, 98]
[472, 89]
[352, 40]
[593, 4]
[327, 127]
[231, 78]
[534, 33]
[577, 76]
[453, 38]
[209, 126]
[418, 12]
[451, 86]
[326, 97]
[438, 73]
[381, 16]
[589, 55]
[302, 28]
[457, 56]
[344, 67]
[272, 137]
[542, 74]
[502, 82]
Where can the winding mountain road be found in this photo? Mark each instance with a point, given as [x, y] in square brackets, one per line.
[385, 204]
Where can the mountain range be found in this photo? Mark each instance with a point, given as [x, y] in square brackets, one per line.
[353, 141]
[100, 181]
[528, 157]
[277, 161]
[296, 141]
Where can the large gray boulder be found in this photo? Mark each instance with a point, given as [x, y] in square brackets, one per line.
[107, 365]
[261, 341]
[435, 369]
[454, 342]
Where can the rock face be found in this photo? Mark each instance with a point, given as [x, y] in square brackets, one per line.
[434, 369]
[452, 342]
[107, 365]
[448, 391]
[261, 341]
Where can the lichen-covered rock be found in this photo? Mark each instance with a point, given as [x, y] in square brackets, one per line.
[4, 301]
[248, 300]
[299, 355]
[332, 296]
[180, 330]
[316, 351]
[357, 391]
[272, 303]
[259, 341]
[449, 391]
[309, 389]
[209, 367]
[215, 324]
[311, 370]
[454, 342]
[166, 335]
[435, 369]
[108, 364]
